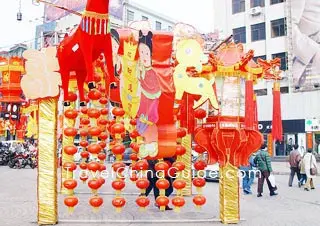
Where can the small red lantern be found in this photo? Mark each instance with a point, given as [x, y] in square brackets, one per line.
[84, 110]
[71, 114]
[102, 157]
[94, 131]
[94, 149]
[94, 94]
[200, 165]
[84, 143]
[84, 121]
[162, 168]
[179, 185]
[102, 121]
[102, 167]
[84, 154]
[94, 185]
[118, 203]
[70, 132]
[101, 180]
[180, 166]
[93, 113]
[200, 113]
[94, 166]
[178, 202]
[199, 201]
[70, 185]
[162, 184]
[133, 122]
[97, 78]
[134, 134]
[83, 166]
[162, 202]
[103, 100]
[117, 129]
[96, 202]
[103, 136]
[69, 166]
[133, 176]
[133, 157]
[142, 184]
[84, 177]
[118, 150]
[181, 132]
[70, 150]
[71, 202]
[118, 185]
[118, 167]
[142, 202]
[199, 149]
[72, 96]
[180, 150]
[119, 112]
[199, 182]
[142, 165]
[83, 132]
[104, 111]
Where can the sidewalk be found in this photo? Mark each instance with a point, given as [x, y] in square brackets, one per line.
[283, 168]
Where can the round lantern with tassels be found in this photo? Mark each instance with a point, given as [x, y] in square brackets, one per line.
[94, 185]
[142, 202]
[71, 202]
[96, 202]
[118, 203]
[181, 132]
[199, 201]
[178, 202]
[162, 202]
[118, 112]
[142, 184]
[70, 185]
[71, 114]
[118, 185]
[70, 150]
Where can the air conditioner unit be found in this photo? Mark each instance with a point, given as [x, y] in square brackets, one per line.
[255, 11]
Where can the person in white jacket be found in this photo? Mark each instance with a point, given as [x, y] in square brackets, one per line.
[309, 161]
[305, 40]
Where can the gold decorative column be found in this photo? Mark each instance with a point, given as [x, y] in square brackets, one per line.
[229, 194]
[47, 167]
[186, 159]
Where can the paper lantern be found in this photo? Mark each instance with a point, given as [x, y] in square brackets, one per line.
[199, 183]
[84, 110]
[162, 202]
[71, 202]
[103, 136]
[178, 202]
[96, 202]
[180, 166]
[83, 166]
[94, 149]
[70, 132]
[179, 185]
[104, 111]
[199, 201]
[93, 113]
[199, 149]
[70, 150]
[84, 155]
[200, 113]
[69, 166]
[180, 150]
[84, 121]
[94, 185]
[103, 100]
[93, 166]
[94, 94]
[119, 112]
[142, 202]
[118, 185]
[200, 165]
[94, 131]
[70, 185]
[142, 184]
[118, 203]
[83, 143]
[71, 114]
[72, 97]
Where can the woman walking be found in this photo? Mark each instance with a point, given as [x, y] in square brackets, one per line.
[310, 164]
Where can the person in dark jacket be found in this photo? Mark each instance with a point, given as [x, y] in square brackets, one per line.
[263, 162]
[294, 160]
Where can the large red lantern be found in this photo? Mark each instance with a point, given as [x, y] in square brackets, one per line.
[200, 113]
[93, 113]
[179, 185]
[84, 143]
[84, 155]
[94, 131]
[103, 136]
[103, 101]
[199, 183]
[104, 111]
[118, 112]
[94, 95]
[94, 166]
[72, 96]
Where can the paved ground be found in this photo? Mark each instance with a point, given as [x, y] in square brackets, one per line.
[292, 207]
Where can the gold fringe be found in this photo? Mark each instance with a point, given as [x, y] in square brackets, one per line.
[47, 167]
[186, 159]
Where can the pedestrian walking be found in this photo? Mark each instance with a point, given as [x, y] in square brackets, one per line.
[303, 175]
[263, 162]
[310, 163]
[249, 175]
[294, 160]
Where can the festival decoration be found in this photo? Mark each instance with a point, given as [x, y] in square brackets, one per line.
[96, 202]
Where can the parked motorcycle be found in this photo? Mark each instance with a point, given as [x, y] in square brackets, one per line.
[4, 157]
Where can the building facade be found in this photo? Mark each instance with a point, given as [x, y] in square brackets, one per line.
[264, 26]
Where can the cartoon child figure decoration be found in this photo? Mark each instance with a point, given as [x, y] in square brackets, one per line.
[150, 93]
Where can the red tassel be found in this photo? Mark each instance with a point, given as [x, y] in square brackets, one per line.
[250, 111]
[256, 122]
[276, 118]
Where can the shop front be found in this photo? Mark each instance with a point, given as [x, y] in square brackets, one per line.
[312, 126]
[293, 133]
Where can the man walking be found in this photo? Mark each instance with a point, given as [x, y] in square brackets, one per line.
[263, 163]
[294, 159]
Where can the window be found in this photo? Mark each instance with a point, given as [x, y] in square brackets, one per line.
[239, 35]
[130, 15]
[145, 18]
[284, 89]
[283, 57]
[169, 28]
[263, 57]
[255, 3]
[276, 1]
[278, 28]
[238, 6]
[158, 25]
[261, 92]
[258, 32]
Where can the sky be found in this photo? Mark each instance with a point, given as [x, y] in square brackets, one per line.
[12, 31]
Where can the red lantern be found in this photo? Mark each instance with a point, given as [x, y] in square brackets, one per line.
[200, 113]
[142, 184]
[134, 157]
[178, 202]
[84, 154]
[118, 150]
[84, 121]
[199, 200]
[134, 134]
[162, 202]
[180, 150]
[93, 113]
[133, 122]
[118, 185]
[142, 202]
[133, 176]
[118, 167]
[104, 111]
[94, 185]
[84, 110]
[103, 100]
[181, 133]
[162, 184]
[199, 149]
[142, 165]
[71, 114]
[97, 78]
[70, 150]
[84, 143]
[199, 182]
[94, 148]
[83, 166]
[200, 165]
[69, 166]
[119, 112]
[117, 128]
[94, 166]
[102, 167]
[84, 132]
[101, 180]
[72, 97]
[84, 177]
[71, 202]
[179, 185]
[70, 132]
[96, 202]
[70, 185]
[103, 136]
[102, 157]
[102, 121]
[94, 131]
[94, 94]
[118, 203]
[179, 166]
